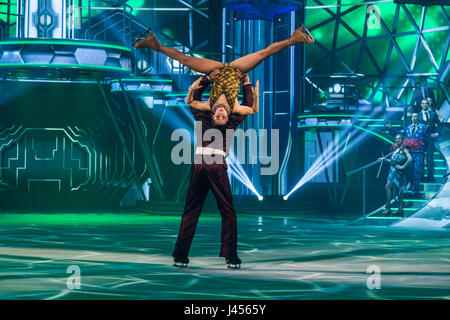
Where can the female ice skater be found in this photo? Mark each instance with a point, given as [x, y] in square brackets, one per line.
[399, 161]
[220, 113]
[226, 84]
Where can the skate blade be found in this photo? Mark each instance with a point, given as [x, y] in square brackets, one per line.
[234, 266]
[307, 33]
[180, 265]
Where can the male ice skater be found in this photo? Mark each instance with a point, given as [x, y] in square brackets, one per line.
[209, 172]
[420, 92]
[431, 120]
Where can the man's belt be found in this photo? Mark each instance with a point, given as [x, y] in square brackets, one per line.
[209, 151]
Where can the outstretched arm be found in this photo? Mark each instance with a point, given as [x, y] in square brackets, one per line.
[251, 108]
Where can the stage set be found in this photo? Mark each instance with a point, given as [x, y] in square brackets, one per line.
[337, 172]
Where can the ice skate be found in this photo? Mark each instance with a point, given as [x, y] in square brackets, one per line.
[233, 262]
[181, 263]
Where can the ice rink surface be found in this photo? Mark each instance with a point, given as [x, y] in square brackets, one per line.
[117, 255]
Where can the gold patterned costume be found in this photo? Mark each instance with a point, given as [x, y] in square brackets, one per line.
[227, 83]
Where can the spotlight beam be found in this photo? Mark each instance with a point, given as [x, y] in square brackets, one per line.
[325, 161]
[332, 153]
[318, 166]
[238, 172]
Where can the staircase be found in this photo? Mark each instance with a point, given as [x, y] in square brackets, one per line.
[429, 191]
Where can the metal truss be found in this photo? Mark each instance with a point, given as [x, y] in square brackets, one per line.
[382, 74]
[8, 18]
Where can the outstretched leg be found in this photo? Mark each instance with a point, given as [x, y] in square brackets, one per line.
[202, 65]
[250, 61]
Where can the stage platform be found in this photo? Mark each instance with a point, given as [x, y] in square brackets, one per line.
[127, 255]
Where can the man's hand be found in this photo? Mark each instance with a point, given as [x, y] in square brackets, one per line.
[434, 135]
[194, 86]
[240, 74]
[246, 110]
[398, 167]
[245, 79]
[213, 74]
[255, 90]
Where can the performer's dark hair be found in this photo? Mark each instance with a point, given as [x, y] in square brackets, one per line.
[217, 106]
[218, 126]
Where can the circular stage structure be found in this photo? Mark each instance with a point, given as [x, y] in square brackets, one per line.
[62, 58]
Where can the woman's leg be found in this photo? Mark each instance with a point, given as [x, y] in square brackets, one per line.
[401, 204]
[389, 187]
[401, 193]
[250, 61]
[197, 64]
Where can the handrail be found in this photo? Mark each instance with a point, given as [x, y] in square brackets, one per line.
[349, 173]
[363, 169]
